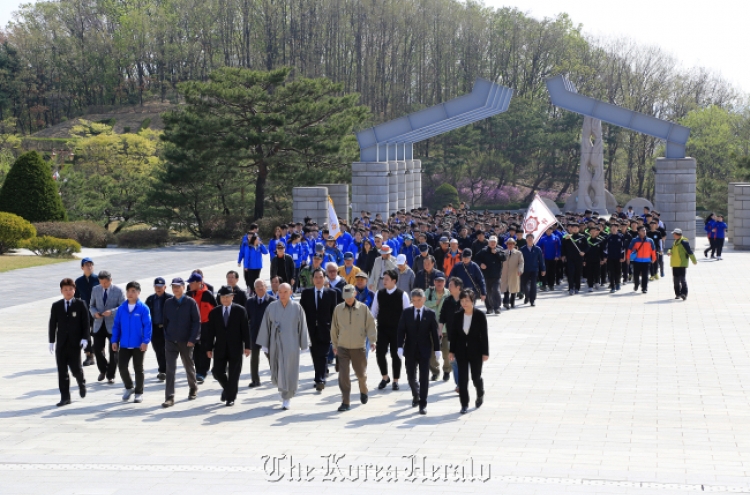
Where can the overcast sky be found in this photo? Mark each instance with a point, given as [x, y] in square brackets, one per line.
[709, 34]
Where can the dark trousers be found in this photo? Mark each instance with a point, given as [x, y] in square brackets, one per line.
[625, 271]
[102, 340]
[575, 268]
[528, 285]
[603, 274]
[157, 342]
[319, 354]
[418, 390]
[680, 281]
[614, 267]
[229, 382]
[251, 275]
[640, 273]
[550, 279]
[202, 361]
[68, 358]
[719, 246]
[171, 351]
[509, 298]
[654, 267]
[255, 363]
[124, 356]
[560, 271]
[494, 300]
[387, 339]
[592, 269]
[464, 365]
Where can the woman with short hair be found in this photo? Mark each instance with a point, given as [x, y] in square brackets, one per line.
[469, 347]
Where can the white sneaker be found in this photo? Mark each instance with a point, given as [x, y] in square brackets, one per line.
[286, 404]
[138, 398]
[127, 394]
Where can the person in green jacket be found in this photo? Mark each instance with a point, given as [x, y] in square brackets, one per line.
[679, 254]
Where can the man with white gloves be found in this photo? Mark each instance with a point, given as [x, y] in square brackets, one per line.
[418, 340]
[69, 327]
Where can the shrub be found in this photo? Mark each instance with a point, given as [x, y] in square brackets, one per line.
[86, 233]
[267, 225]
[225, 227]
[145, 124]
[443, 195]
[142, 238]
[52, 246]
[30, 192]
[13, 230]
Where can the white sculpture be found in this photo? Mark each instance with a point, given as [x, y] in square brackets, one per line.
[591, 193]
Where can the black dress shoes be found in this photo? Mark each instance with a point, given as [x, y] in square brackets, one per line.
[395, 386]
[63, 402]
[344, 407]
[446, 377]
[479, 402]
[82, 390]
[383, 383]
[464, 410]
[230, 403]
[414, 402]
[363, 398]
[422, 410]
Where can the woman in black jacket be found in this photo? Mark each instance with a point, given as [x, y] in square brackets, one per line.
[366, 257]
[470, 347]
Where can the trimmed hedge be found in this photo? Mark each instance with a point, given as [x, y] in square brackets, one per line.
[142, 238]
[13, 230]
[85, 233]
[30, 192]
[52, 246]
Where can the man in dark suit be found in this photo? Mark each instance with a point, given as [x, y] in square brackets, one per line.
[417, 341]
[256, 307]
[69, 326]
[227, 337]
[318, 304]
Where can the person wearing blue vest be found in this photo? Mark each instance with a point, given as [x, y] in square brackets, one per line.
[131, 334]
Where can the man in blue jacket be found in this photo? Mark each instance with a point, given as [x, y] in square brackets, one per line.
[533, 265]
[551, 246]
[131, 334]
[470, 274]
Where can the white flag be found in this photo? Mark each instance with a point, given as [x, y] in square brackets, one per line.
[538, 218]
[333, 220]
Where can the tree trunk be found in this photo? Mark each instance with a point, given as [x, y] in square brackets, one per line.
[260, 190]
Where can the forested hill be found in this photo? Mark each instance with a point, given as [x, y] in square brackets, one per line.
[61, 57]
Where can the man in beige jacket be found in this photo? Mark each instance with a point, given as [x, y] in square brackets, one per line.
[351, 324]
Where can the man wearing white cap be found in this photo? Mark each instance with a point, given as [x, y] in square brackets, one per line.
[405, 274]
[385, 262]
[679, 254]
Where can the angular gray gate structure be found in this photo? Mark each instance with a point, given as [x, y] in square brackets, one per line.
[675, 176]
[388, 178]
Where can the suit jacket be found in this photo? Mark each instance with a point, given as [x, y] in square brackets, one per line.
[68, 329]
[288, 266]
[255, 311]
[473, 345]
[227, 340]
[419, 340]
[319, 319]
[115, 298]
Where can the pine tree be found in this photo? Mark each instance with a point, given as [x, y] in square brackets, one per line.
[30, 192]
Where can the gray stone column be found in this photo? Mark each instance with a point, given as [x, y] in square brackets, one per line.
[417, 171]
[730, 210]
[310, 202]
[741, 238]
[392, 188]
[339, 193]
[401, 171]
[409, 185]
[674, 197]
[370, 188]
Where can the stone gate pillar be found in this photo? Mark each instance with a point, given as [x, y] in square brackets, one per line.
[370, 188]
[310, 202]
[674, 198]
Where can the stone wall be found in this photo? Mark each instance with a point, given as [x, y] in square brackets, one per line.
[339, 194]
[740, 223]
[674, 197]
[310, 202]
[730, 210]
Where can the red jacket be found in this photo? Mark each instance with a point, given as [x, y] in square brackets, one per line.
[206, 302]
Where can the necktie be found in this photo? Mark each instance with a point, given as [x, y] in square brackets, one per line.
[419, 320]
[226, 316]
[318, 299]
[104, 299]
[67, 306]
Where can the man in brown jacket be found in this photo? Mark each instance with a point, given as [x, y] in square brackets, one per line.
[351, 324]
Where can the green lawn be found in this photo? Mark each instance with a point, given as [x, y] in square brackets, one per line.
[8, 263]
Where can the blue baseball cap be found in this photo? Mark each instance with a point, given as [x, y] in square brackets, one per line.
[86, 260]
[195, 277]
[348, 255]
[159, 282]
[178, 281]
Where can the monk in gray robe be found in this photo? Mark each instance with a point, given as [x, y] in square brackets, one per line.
[283, 334]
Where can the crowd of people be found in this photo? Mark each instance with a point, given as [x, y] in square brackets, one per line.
[407, 288]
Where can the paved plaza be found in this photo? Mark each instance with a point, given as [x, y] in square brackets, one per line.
[597, 393]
